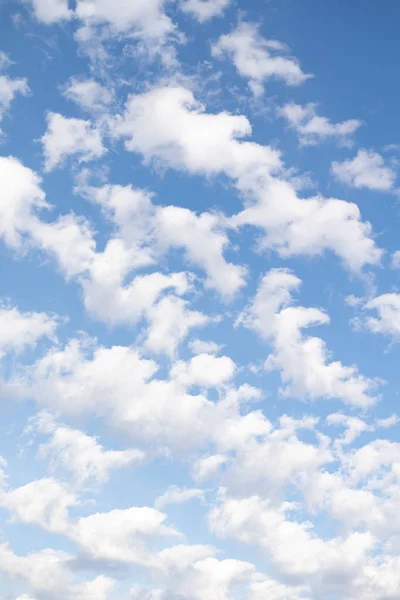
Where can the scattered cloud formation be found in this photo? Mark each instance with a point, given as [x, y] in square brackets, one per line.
[258, 59]
[313, 129]
[366, 170]
[197, 338]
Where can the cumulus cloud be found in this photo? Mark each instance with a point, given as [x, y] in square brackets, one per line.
[176, 495]
[89, 94]
[19, 330]
[168, 127]
[387, 319]
[313, 129]
[258, 59]
[51, 11]
[203, 10]
[10, 87]
[66, 137]
[366, 170]
[74, 451]
[303, 361]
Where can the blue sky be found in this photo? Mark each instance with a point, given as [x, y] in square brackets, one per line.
[200, 309]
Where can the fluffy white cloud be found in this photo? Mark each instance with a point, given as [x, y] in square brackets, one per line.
[208, 467]
[176, 495]
[43, 502]
[66, 137]
[258, 59]
[104, 276]
[295, 226]
[82, 455]
[303, 361]
[45, 571]
[147, 17]
[206, 347]
[51, 11]
[313, 129]
[366, 170]
[387, 319]
[117, 383]
[203, 10]
[204, 370]
[10, 87]
[148, 231]
[144, 17]
[168, 127]
[120, 535]
[19, 330]
[273, 590]
[88, 94]
[293, 547]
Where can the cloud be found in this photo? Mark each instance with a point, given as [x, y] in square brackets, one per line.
[176, 495]
[88, 94]
[258, 59]
[169, 128]
[204, 10]
[293, 547]
[9, 87]
[150, 230]
[303, 361]
[80, 454]
[43, 502]
[204, 370]
[313, 129]
[66, 137]
[19, 330]
[120, 535]
[387, 321]
[51, 11]
[366, 170]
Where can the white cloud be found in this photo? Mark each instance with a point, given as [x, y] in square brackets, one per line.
[45, 571]
[19, 330]
[208, 467]
[168, 127]
[293, 547]
[203, 10]
[43, 502]
[82, 455]
[258, 59]
[273, 590]
[295, 226]
[51, 11]
[354, 427]
[387, 321]
[88, 94]
[366, 170]
[313, 129]
[170, 321]
[9, 88]
[176, 495]
[202, 346]
[303, 361]
[119, 385]
[66, 137]
[145, 17]
[150, 230]
[204, 370]
[120, 535]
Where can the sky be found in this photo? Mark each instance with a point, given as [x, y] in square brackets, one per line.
[199, 300]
